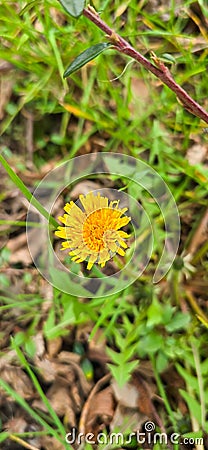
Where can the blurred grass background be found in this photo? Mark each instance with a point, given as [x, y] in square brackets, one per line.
[113, 105]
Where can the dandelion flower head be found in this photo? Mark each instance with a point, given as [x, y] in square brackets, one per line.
[93, 232]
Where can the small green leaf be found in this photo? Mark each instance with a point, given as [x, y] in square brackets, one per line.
[161, 362]
[73, 7]
[193, 405]
[154, 314]
[169, 58]
[179, 321]
[85, 57]
[122, 373]
[4, 435]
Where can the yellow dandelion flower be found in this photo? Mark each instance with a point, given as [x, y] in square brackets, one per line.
[93, 232]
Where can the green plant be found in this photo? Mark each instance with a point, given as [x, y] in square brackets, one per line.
[194, 374]
[102, 107]
[75, 8]
[56, 428]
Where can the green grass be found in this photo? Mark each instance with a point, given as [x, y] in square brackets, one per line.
[92, 111]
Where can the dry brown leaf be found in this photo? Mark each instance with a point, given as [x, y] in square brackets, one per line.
[196, 154]
[5, 66]
[18, 380]
[8, 358]
[200, 235]
[18, 424]
[121, 9]
[76, 371]
[15, 425]
[69, 387]
[6, 331]
[83, 188]
[126, 414]
[98, 386]
[146, 392]
[98, 342]
[51, 443]
[140, 95]
[61, 401]
[19, 250]
[66, 372]
[127, 395]
[134, 400]
[54, 346]
[47, 369]
[58, 395]
[38, 340]
[6, 85]
[100, 411]
[197, 43]
[174, 383]
[96, 353]
[57, 16]
[77, 397]
[127, 418]
[68, 357]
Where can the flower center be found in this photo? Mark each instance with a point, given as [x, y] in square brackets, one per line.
[94, 228]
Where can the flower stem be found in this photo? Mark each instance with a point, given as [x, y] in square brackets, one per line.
[159, 69]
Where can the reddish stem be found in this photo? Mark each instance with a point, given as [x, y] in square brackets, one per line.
[160, 71]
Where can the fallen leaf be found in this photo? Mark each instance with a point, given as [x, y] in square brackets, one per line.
[6, 86]
[140, 96]
[59, 397]
[174, 383]
[99, 386]
[196, 154]
[200, 235]
[100, 411]
[146, 392]
[49, 443]
[83, 188]
[127, 414]
[38, 340]
[18, 380]
[54, 346]
[121, 9]
[76, 370]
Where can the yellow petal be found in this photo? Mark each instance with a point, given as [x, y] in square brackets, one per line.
[120, 251]
[91, 261]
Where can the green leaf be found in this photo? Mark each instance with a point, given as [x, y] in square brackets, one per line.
[116, 357]
[122, 373]
[50, 322]
[85, 57]
[193, 405]
[166, 57]
[179, 321]
[154, 314]
[189, 379]
[3, 436]
[73, 7]
[22, 402]
[161, 362]
[53, 330]
[62, 282]
[193, 434]
[150, 343]
[204, 367]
